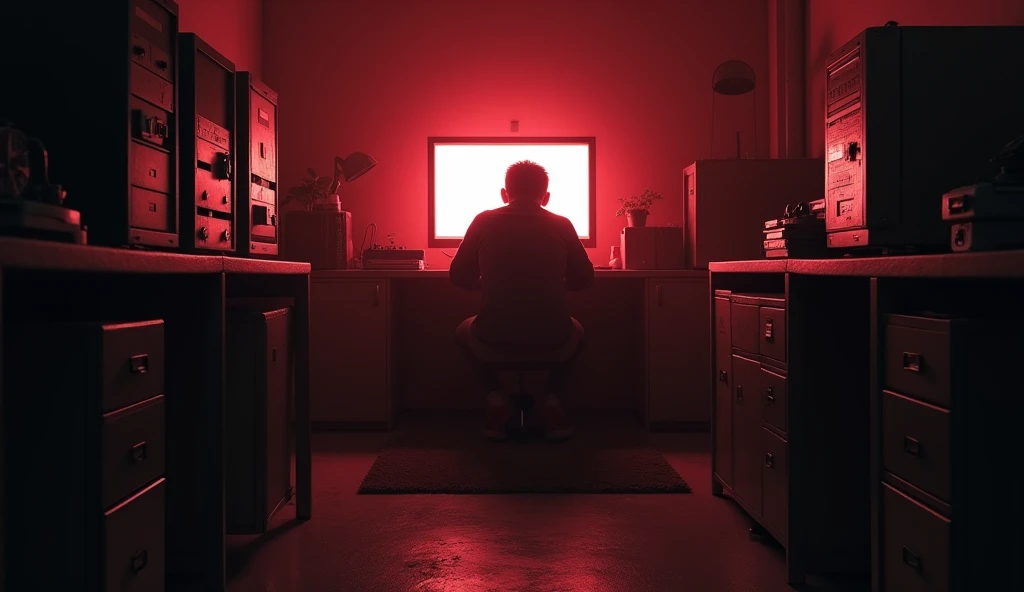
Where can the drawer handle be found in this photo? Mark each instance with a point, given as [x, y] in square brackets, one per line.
[769, 333]
[769, 396]
[912, 446]
[723, 376]
[769, 460]
[139, 561]
[140, 363]
[138, 452]
[912, 560]
[739, 392]
[911, 362]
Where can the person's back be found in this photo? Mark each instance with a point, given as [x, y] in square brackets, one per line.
[523, 259]
[526, 260]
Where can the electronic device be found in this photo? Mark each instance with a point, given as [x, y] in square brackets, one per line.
[799, 233]
[207, 128]
[465, 177]
[652, 247]
[909, 113]
[30, 206]
[257, 167]
[95, 82]
[392, 257]
[990, 215]
[728, 200]
[321, 237]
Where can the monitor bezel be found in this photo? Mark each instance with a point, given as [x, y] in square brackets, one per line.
[590, 141]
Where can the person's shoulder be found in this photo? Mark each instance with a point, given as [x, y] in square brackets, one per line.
[559, 220]
[484, 216]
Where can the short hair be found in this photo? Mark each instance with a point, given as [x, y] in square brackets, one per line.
[526, 180]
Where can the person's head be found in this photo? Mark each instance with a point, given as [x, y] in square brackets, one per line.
[526, 181]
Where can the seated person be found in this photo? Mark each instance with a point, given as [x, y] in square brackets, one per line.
[523, 259]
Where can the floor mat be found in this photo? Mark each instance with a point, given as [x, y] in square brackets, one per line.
[449, 456]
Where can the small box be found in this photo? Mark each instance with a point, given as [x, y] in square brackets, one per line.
[652, 247]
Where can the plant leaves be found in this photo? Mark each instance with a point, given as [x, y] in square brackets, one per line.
[322, 183]
[311, 172]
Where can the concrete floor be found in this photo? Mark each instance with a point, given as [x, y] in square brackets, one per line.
[471, 543]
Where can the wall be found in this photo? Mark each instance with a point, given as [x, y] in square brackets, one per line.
[232, 27]
[830, 24]
[382, 75]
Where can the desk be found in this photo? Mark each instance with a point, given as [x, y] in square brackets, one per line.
[60, 282]
[383, 341]
[900, 413]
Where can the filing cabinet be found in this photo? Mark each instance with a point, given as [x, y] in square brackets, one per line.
[258, 417]
[750, 431]
[88, 511]
[949, 395]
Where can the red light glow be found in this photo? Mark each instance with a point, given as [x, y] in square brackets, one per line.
[468, 179]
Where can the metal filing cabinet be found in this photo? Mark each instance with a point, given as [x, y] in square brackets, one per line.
[85, 434]
[949, 402]
[258, 419]
[757, 385]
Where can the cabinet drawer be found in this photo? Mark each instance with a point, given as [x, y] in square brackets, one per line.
[915, 443]
[772, 332]
[744, 326]
[917, 358]
[776, 484]
[773, 393]
[133, 448]
[132, 363]
[134, 542]
[915, 553]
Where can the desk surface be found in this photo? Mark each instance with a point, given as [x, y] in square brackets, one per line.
[991, 264]
[53, 256]
[443, 273]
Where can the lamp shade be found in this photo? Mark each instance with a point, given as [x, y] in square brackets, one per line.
[355, 165]
[733, 78]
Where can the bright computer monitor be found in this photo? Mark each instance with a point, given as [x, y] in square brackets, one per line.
[465, 177]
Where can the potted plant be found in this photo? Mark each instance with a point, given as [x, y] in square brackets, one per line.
[319, 232]
[314, 189]
[636, 208]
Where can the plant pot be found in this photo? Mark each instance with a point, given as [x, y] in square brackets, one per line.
[635, 218]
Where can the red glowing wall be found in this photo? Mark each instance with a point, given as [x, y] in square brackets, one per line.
[232, 27]
[830, 24]
[383, 75]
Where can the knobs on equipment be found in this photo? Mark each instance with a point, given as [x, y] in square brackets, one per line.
[226, 236]
[203, 233]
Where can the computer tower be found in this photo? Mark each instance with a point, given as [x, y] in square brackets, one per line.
[208, 139]
[257, 168]
[728, 201]
[911, 113]
[96, 83]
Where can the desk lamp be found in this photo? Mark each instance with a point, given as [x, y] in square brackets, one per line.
[351, 167]
[732, 78]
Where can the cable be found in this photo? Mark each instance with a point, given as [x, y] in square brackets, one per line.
[362, 246]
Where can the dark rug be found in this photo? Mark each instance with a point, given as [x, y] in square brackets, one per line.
[449, 456]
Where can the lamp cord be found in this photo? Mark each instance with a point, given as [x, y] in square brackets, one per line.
[754, 99]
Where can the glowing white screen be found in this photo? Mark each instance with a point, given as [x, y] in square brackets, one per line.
[468, 179]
